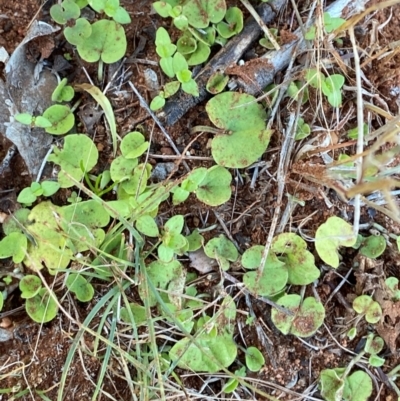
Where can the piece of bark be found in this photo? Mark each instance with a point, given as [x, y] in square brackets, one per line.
[227, 56]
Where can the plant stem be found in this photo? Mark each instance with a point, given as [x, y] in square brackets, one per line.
[205, 128]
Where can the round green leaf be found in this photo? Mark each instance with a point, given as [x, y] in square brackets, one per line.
[24, 118]
[365, 305]
[42, 307]
[292, 250]
[186, 44]
[50, 187]
[78, 33]
[221, 351]
[162, 8]
[138, 314]
[306, 319]
[274, 276]
[15, 244]
[65, 11]
[217, 82]
[30, 285]
[107, 42]
[61, 118]
[254, 359]
[130, 143]
[333, 233]
[26, 196]
[221, 247]
[200, 55]
[215, 189]
[201, 12]
[157, 103]
[373, 246]
[122, 168]
[78, 151]
[357, 387]
[78, 284]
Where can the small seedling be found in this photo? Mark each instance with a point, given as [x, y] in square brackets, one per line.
[330, 24]
[30, 194]
[366, 306]
[337, 384]
[330, 86]
[296, 89]
[303, 130]
[32, 121]
[392, 284]
[173, 242]
[265, 42]
[63, 92]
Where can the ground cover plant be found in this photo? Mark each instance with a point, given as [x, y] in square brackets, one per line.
[249, 252]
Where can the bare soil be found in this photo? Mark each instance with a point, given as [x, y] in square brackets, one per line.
[39, 352]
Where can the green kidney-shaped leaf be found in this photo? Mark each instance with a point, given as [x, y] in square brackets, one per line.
[78, 284]
[373, 246]
[221, 249]
[138, 314]
[335, 232]
[201, 12]
[235, 111]
[241, 148]
[78, 150]
[14, 245]
[274, 275]
[78, 33]
[331, 384]
[221, 351]
[292, 250]
[107, 42]
[254, 359]
[357, 387]
[160, 273]
[365, 305]
[61, 118]
[42, 307]
[30, 286]
[215, 188]
[65, 11]
[306, 319]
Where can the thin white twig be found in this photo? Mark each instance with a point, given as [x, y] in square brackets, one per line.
[360, 131]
